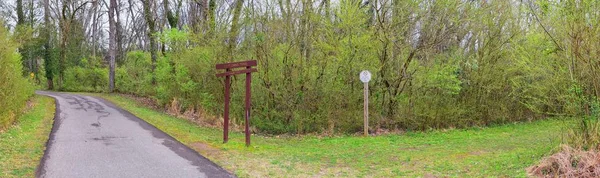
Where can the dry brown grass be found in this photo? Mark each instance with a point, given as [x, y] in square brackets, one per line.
[196, 115]
[145, 101]
[569, 162]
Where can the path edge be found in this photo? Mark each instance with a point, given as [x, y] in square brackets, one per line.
[143, 123]
[40, 171]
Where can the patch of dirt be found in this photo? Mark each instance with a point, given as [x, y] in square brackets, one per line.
[206, 149]
[145, 101]
[429, 175]
[477, 153]
[569, 162]
[381, 131]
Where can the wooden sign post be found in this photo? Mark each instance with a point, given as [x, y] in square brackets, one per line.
[227, 74]
[365, 77]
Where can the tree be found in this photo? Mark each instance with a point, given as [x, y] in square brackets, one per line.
[48, 62]
[234, 30]
[172, 19]
[112, 44]
[20, 13]
[471, 66]
[150, 22]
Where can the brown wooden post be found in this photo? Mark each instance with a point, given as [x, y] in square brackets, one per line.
[226, 114]
[248, 93]
[227, 74]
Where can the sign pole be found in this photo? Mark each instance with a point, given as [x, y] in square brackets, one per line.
[248, 93]
[365, 77]
[227, 74]
[226, 114]
[366, 117]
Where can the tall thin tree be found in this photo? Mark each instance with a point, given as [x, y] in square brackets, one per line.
[233, 32]
[151, 30]
[112, 43]
[47, 56]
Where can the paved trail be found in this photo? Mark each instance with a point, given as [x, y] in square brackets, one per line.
[94, 138]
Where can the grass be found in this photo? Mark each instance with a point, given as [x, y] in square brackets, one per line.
[22, 145]
[500, 151]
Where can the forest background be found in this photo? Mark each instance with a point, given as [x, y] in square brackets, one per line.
[435, 64]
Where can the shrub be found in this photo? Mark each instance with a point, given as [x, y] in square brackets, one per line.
[433, 98]
[135, 75]
[586, 135]
[86, 79]
[189, 78]
[14, 88]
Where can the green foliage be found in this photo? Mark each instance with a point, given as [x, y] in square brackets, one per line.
[86, 79]
[175, 38]
[434, 96]
[586, 135]
[500, 151]
[165, 81]
[135, 75]
[14, 88]
[22, 146]
[482, 73]
[435, 64]
[536, 87]
[184, 77]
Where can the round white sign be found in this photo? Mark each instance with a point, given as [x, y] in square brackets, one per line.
[365, 76]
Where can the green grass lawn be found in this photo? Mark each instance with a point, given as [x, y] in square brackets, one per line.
[501, 151]
[22, 145]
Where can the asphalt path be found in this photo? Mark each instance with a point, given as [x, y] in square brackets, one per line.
[94, 138]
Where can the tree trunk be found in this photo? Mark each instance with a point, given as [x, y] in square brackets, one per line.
[21, 22]
[151, 30]
[33, 61]
[171, 18]
[47, 57]
[211, 11]
[94, 28]
[20, 13]
[112, 43]
[118, 33]
[233, 32]
[64, 28]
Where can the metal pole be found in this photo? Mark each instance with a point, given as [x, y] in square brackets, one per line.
[226, 114]
[366, 105]
[248, 93]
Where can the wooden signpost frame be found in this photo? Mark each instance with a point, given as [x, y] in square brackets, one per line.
[227, 74]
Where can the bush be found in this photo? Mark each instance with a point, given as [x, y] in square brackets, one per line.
[492, 73]
[189, 78]
[586, 135]
[135, 75]
[432, 101]
[14, 88]
[86, 79]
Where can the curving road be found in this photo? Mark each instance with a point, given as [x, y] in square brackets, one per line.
[94, 138]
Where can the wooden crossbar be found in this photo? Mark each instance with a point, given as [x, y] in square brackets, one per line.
[236, 64]
[236, 72]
